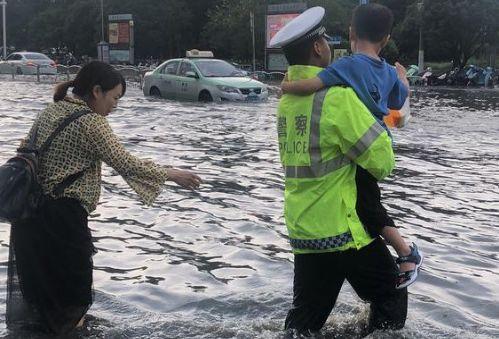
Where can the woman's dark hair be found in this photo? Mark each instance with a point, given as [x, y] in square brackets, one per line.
[95, 73]
[372, 22]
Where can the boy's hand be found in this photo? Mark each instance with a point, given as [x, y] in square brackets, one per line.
[402, 74]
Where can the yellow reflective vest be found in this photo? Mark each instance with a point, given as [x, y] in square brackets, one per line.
[322, 138]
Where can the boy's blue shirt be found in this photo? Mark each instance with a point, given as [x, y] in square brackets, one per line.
[375, 82]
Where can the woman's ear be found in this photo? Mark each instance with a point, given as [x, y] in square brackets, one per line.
[96, 91]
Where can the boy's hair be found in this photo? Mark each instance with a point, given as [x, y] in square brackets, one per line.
[299, 54]
[372, 22]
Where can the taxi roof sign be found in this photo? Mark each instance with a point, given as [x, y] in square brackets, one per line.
[194, 53]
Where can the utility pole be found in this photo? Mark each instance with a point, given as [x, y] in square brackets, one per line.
[4, 4]
[102, 19]
[102, 46]
[252, 26]
[421, 48]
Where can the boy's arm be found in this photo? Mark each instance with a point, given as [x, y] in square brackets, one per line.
[400, 90]
[301, 87]
[402, 75]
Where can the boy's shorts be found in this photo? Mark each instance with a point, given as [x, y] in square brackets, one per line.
[371, 212]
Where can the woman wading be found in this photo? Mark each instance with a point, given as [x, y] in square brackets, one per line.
[50, 259]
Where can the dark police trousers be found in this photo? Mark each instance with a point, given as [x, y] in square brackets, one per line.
[371, 272]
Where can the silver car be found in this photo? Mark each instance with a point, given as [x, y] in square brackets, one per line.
[28, 63]
[202, 79]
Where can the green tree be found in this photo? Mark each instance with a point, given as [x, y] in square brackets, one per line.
[453, 29]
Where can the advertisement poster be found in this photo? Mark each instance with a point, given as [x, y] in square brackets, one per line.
[276, 22]
[123, 33]
[113, 33]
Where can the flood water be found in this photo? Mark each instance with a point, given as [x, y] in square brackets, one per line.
[216, 263]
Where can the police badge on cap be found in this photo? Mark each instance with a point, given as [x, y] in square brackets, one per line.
[304, 27]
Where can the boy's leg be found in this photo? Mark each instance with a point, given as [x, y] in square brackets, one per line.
[374, 216]
[317, 282]
[373, 274]
[371, 212]
[393, 237]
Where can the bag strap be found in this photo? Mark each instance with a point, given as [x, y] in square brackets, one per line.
[59, 129]
[32, 140]
[69, 180]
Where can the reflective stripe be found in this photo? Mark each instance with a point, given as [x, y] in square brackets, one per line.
[322, 244]
[317, 168]
[315, 127]
[365, 141]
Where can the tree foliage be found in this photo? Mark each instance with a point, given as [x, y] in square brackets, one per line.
[452, 29]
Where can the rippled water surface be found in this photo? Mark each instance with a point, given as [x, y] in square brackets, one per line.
[216, 263]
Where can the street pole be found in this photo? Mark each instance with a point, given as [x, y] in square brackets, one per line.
[4, 3]
[252, 25]
[421, 48]
[102, 19]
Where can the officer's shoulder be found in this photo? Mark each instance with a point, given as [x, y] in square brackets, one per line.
[341, 91]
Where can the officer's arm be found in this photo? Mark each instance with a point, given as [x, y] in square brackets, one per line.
[360, 136]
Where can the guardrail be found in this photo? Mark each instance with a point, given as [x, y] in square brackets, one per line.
[130, 73]
[267, 76]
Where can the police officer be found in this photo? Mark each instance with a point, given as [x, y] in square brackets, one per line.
[329, 242]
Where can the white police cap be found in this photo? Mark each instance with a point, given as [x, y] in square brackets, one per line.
[303, 27]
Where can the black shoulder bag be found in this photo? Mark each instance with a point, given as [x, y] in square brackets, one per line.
[20, 191]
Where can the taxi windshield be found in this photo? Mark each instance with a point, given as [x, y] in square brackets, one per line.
[35, 56]
[218, 68]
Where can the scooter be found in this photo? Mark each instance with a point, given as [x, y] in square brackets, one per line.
[489, 77]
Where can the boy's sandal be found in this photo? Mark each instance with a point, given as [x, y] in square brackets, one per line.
[406, 278]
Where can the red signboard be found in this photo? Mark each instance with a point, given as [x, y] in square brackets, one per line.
[123, 33]
[277, 21]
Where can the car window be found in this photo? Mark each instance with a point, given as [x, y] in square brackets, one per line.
[171, 67]
[185, 67]
[36, 56]
[14, 57]
[218, 68]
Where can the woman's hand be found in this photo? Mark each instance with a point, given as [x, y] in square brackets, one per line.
[185, 179]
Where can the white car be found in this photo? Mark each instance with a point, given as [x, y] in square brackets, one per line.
[202, 79]
[28, 63]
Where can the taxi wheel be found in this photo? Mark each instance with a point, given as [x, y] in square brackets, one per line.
[19, 71]
[155, 92]
[205, 96]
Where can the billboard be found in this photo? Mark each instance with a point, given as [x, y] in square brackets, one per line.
[277, 21]
[278, 15]
[121, 44]
[119, 33]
